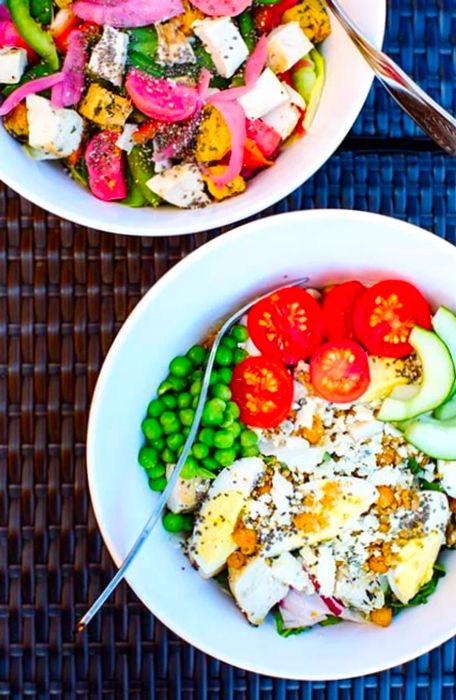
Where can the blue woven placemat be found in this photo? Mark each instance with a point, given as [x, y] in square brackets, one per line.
[421, 37]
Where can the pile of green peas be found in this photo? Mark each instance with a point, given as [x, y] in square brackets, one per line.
[221, 439]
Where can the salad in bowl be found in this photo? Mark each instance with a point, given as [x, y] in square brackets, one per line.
[321, 487]
[175, 102]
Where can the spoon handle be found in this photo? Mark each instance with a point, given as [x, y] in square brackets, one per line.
[430, 116]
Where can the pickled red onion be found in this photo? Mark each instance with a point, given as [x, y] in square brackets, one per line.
[128, 13]
[234, 116]
[69, 91]
[253, 69]
[30, 88]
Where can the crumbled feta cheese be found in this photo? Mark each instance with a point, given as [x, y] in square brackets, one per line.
[305, 415]
[326, 570]
[287, 569]
[53, 130]
[224, 42]
[287, 44]
[267, 94]
[281, 489]
[125, 141]
[362, 430]
[181, 185]
[13, 63]
[110, 55]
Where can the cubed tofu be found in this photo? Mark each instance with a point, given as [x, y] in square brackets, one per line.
[12, 65]
[105, 108]
[255, 589]
[125, 141]
[55, 131]
[287, 44]
[224, 42]
[181, 185]
[283, 119]
[110, 55]
[267, 94]
[173, 45]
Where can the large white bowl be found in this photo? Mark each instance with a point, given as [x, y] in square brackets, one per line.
[347, 85]
[178, 311]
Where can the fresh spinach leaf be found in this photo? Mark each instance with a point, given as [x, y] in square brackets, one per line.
[423, 595]
[431, 486]
[414, 466]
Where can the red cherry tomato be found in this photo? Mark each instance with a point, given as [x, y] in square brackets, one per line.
[287, 325]
[385, 314]
[339, 371]
[338, 306]
[263, 390]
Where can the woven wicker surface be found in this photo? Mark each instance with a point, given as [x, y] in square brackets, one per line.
[64, 292]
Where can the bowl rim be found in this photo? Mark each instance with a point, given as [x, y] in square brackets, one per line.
[218, 216]
[319, 215]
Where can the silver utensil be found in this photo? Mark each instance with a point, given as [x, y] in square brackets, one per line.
[159, 506]
[430, 116]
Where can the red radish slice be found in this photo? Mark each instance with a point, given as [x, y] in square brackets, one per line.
[160, 99]
[105, 167]
[222, 8]
[30, 88]
[234, 117]
[69, 91]
[129, 13]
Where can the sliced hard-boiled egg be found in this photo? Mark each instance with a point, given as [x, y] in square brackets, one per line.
[212, 543]
[255, 589]
[414, 566]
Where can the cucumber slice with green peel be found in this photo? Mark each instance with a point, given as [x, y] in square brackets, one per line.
[435, 438]
[437, 382]
[444, 324]
[446, 411]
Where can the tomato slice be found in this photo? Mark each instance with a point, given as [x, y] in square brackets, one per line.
[338, 306]
[287, 325]
[385, 314]
[263, 390]
[339, 371]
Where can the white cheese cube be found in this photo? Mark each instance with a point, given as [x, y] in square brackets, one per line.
[181, 185]
[298, 100]
[283, 119]
[287, 44]
[267, 94]
[125, 141]
[224, 42]
[12, 65]
[173, 46]
[56, 131]
[110, 55]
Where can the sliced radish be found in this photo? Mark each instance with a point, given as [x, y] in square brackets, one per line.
[105, 167]
[161, 99]
[129, 13]
[302, 610]
[222, 8]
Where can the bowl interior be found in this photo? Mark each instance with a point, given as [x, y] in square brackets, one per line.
[325, 245]
[347, 84]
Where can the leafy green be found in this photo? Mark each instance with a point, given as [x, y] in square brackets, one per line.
[414, 466]
[286, 632]
[423, 595]
[327, 457]
[431, 485]
[331, 620]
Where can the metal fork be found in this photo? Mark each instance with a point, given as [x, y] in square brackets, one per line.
[159, 506]
[430, 116]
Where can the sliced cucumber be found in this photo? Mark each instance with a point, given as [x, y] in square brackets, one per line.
[444, 323]
[437, 382]
[433, 437]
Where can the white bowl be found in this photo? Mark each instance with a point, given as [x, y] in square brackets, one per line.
[348, 82]
[176, 312]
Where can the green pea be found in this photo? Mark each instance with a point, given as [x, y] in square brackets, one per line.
[206, 436]
[195, 401]
[181, 366]
[156, 472]
[197, 374]
[151, 429]
[175, 441]
[170, 401]
[171, 428]
[159, 444]
[210, 463]
[214, 377]
[225, 457]
[252, 451]
[200, 451]
[184, 400]
[223, 439]
[239, 355]
[188, 523]
[179, 451]
[195, 387]
[168, 456]
[249, 438]
[224, 357]
[186, 416]
[225, 375]
[221, 391]
[239, 333]
[228, 342]
[235, 429]
[148, 457]
[213, 412]
[189, 468]
[186, 430]
[233, 410]
[164, 387]
[158, 484]
[178, 383]
[155, 408]
[197, 355]
[173, 522]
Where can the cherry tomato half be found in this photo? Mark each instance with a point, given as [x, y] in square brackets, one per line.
[287, 325]
[338, 306]
[339, 371]
[263, 390]
[385, 314]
